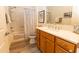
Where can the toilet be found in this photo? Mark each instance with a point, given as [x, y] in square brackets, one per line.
[32, 39]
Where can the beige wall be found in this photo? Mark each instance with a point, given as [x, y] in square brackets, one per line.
[2, 18]
[58, 11]
[2, 24]
[4, 42]
[75, 19]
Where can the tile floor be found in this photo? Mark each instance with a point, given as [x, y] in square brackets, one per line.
[27, 49]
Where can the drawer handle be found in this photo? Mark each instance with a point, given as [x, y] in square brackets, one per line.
[70, 51]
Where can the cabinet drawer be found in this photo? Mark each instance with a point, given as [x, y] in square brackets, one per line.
[58, 49]
[47, 35]
[50, 37]
[66, 45]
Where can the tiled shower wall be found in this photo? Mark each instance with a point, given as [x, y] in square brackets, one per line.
[17, 17]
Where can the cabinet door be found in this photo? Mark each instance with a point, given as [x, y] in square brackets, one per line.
[49, 46]
[38, 38]
[58, 49]
[42, 44]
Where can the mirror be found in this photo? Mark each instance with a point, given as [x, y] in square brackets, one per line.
[41, 16]
[59, 14]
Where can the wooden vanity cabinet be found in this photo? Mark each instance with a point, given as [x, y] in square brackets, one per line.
[38, 38]
[48, 43]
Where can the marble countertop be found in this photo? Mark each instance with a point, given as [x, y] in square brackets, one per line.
[67, 35]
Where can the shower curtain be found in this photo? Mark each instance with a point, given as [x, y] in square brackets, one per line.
[29, 21]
